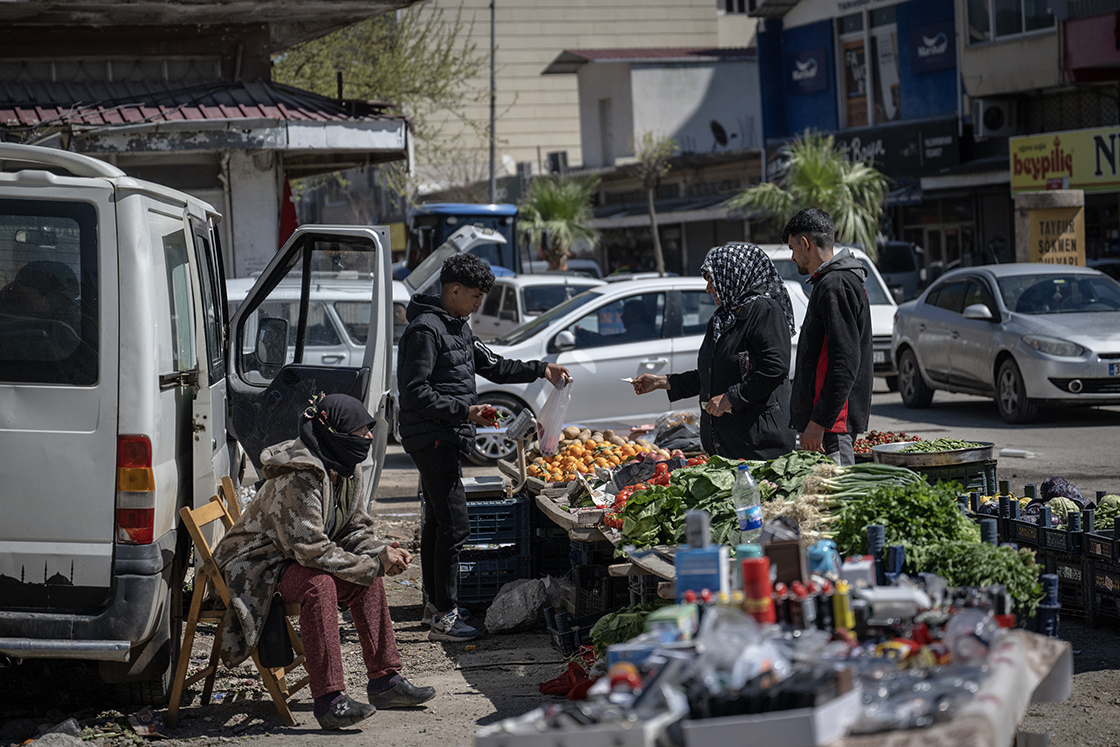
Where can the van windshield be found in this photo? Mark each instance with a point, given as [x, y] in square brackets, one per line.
[896, 258]
[48, 292]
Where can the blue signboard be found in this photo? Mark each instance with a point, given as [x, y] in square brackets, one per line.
[807, 71]
[933, 47]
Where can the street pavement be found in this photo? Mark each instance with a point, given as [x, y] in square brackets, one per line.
[1080, 444]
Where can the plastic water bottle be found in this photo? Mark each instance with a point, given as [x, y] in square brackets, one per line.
[748, 508]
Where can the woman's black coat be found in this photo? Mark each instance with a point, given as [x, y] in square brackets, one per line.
[757, 426]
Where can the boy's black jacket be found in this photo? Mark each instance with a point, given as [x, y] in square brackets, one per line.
[437, 359]
[835, 369]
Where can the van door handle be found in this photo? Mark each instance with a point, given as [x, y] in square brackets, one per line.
[954, 334]
[921, 328]
[654, 362]
[332, 359]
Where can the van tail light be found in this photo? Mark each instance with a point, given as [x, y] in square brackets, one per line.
[136, 491]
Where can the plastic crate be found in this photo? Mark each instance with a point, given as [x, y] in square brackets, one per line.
[1060, 541]
[568, 633]
[498, 521]
[1103, 588]
[483, 572]
[979, 476]
[1100, 545]
[1073, 579]
[592, 553]
[643, 589]
[608, 595]
[1023, 533]
[552, 552]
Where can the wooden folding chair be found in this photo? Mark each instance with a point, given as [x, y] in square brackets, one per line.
[205, 574]
[229, 493]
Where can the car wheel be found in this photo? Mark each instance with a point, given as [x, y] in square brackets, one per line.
[490, 445]
[1011, 395]
[915, 392]
[892, 383]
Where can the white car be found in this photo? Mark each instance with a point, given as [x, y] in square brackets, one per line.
[882, 303]
[588, 336]
[516, 299]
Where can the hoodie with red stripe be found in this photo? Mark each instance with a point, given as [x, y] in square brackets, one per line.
[835, 369]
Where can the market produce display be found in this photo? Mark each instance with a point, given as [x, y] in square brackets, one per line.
[585, 450]
[875, 438]
[981, 564]
[938, 444]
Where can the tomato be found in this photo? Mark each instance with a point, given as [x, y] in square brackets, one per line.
[661, 469]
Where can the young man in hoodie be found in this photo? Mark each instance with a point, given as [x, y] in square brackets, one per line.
[438, 358]
[834, 372]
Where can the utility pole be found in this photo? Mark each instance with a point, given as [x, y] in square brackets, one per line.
[493, 116]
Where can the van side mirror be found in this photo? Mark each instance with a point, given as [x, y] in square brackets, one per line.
[563, 341]
[897, 294]
[978, 311]
[507, 315]
[272, 342]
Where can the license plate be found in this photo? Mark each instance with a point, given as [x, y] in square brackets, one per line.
[1114, 369]
[880, 356]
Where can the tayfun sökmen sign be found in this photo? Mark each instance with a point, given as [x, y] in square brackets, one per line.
[1057, 236]
[1075, 159]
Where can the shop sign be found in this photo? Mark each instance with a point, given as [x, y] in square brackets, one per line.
[807, 71]
[1074, 159]
[933, 47]
[905, 150]
[1057, 236]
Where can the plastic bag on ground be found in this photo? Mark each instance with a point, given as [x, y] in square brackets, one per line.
[551, 420]
[518, 606]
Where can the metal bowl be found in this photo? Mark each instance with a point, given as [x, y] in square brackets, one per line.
[890, 454]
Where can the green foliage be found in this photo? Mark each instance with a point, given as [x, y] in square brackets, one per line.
[562, 207]
[616, 627]
[822, 176]
[788, 472]
[419, 59]
[916, 516]
[982, 564]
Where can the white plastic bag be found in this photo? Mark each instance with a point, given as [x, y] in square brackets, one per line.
[551, 421]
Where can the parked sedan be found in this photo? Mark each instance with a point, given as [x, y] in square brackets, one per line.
[610, 332]
[517, 298]
[1024, 334]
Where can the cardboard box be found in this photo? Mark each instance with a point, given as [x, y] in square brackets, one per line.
[800, 727]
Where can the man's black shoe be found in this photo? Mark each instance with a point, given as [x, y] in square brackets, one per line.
[404, 694]
[345, 712]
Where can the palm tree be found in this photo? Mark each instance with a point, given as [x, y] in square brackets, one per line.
[653, 153]
[559, 208]
[821, 175]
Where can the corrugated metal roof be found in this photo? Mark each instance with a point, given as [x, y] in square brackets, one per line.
[570, 60]
[101, 103]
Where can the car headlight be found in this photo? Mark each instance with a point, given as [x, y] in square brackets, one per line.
[1054, 346]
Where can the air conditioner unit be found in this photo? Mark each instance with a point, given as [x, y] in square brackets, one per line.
[993, 118]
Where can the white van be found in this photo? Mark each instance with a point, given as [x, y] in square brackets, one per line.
[120, 401]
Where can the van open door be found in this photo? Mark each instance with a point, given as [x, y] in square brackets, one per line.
[269, 381]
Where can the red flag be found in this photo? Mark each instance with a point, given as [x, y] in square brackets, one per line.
[288, 220]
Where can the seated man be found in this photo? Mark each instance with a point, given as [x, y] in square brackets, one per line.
[307, 536]
[639, 324]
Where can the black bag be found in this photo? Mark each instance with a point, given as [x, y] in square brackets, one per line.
[275, 647]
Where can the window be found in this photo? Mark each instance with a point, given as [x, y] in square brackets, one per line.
[949, 296]
[48, 292]
[697, 308]
[355, 320]
[737, 6]
[211, 308]
[509, 302]
[1058, 294]
[868, 45]
[886, 94]
[631, 319]
[169, 236]
[493, 301]
[854, 66]
[320, 331]
[876, 293]
[540, 298]
[1007, 18]
[978, 292]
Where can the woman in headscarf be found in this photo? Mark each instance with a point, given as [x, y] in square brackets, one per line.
[742, 370]
[306, 535]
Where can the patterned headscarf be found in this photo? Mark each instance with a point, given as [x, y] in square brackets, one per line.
[325, 428]
[742, 273]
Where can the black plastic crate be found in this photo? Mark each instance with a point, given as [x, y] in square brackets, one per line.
[605, 595]
[643, 589]
[1023, 533]
[1059, 540]
[483, 572]
[499, 521]
[592, 553]
[552, 552]
[1100, 545]
[979, 476]
[569, 633]
[1073, 579]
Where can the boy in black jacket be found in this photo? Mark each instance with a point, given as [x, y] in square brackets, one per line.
[832, 381]
[438, 357]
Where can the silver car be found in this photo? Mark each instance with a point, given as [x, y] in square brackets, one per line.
[1024, 334]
